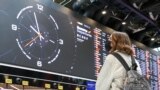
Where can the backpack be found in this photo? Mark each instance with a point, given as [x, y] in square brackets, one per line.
[133, 81]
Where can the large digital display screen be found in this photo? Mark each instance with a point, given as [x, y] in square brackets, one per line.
[43, 36]
[150, 66]
[39, 35]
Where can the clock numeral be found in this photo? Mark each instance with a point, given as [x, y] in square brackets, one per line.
[40, 7]
[60, 41]
[14, 27]
[39, 63]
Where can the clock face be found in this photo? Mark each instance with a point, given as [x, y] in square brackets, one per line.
[38, 34]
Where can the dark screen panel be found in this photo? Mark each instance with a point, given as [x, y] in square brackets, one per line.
[149, 65]
[39, 35]
[43, 36]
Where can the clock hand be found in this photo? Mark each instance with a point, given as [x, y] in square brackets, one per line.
[52, 41]
[31, 41]
[39, 34]
[37, 24]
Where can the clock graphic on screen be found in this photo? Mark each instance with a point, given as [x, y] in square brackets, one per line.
[38, 34]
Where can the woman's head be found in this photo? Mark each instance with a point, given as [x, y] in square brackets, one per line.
[120, 41]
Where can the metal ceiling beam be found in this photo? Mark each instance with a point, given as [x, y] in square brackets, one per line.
[137, 12]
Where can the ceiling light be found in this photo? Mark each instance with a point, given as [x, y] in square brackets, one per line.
[152, 39]
[104, 12]
[123, 23]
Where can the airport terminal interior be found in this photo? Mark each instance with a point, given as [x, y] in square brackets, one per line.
[61, 44]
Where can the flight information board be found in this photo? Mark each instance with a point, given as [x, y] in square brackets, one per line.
[43, 36]
[150, 66]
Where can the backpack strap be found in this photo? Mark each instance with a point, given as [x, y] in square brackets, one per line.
[123, 62]
[134, 65]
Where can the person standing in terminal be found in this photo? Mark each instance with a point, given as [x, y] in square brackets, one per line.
[112, 73]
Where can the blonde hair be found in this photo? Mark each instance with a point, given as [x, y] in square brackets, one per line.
[120, 41]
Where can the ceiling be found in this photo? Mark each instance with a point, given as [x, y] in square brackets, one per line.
[141, 17]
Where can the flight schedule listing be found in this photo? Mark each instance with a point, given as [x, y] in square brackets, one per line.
[149, 64]
[90, 48]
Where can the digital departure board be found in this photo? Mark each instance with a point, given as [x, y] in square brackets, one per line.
[149, 63]
[43, 36]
